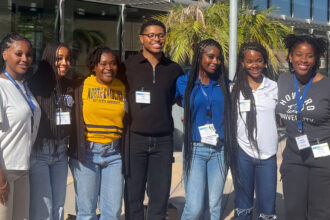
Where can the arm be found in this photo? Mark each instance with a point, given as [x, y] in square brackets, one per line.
[4, 186]
[179, 90]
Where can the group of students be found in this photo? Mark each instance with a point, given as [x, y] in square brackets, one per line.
[117, 131]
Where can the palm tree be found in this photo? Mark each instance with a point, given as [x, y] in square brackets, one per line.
[83, 38]
[189, 25]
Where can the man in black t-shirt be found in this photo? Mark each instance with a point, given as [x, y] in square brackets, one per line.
[149, 143]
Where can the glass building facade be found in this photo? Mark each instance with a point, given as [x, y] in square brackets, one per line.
[86, 24]
[90, 22]
[316, 10]
[304, 16]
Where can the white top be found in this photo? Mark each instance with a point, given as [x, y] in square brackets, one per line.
[16, 139]
[265, 99]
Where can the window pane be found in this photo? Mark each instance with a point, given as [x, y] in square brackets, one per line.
[320, 10]
[301, 9]
[34, 20]
[283, 6]
[5, 18]
[93, 24]
[262, 4]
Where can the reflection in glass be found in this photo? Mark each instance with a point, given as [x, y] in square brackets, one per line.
[283, 7]
[301, 9]
[33, 20]
[261, 4]
[320, 11]
[93, 24]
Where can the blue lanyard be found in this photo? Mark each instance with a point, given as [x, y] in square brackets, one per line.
[208, 97]
[300, 101]
[57, 97]
[27, 97]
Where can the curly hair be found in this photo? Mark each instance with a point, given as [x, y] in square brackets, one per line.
[319, 45]
[94, 57]
[151, 22]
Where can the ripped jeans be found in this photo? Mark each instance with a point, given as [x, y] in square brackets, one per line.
[258, 175]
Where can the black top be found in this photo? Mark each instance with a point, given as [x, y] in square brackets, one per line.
[153, 118]
[46, 90]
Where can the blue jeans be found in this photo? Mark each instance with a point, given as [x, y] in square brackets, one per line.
[258, 175]
[100, 176]
[206, 179]
[48, 177]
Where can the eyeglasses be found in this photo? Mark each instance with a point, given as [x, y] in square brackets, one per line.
[160, 36]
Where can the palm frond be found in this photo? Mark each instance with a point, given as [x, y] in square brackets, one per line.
[188, 25]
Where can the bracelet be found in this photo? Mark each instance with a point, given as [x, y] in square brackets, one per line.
[4, 186]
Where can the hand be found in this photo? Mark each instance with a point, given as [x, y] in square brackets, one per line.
[4, 192]
[182, 119]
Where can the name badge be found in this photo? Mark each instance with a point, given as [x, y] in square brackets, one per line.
[321, 150]
[302, 142]
[208, 134]
[142, 97]
[63, 118]
[245, 105]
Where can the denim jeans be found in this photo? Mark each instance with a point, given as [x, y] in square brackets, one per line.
[99, 177]
[258, 175]
[48, 177]
[151, 160]
[206, 179]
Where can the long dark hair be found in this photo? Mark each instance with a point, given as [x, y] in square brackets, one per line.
[319, 45]
[241, 85]
[43, 84]
[230, 146]
[5, 44]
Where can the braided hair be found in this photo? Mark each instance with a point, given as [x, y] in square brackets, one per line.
[230, 146]
[6, 43]
[319, 45]
[241, 86]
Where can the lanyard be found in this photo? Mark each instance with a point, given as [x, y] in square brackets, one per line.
[300, 101]
[57, 97]
[208, 97]
[27, 97]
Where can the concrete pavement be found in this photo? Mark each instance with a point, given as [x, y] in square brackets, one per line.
[177, 195]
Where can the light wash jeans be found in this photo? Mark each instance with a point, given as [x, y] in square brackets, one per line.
[99, 176]
[48, 177]
[206, 180]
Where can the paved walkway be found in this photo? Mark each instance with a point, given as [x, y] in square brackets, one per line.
[177, 196]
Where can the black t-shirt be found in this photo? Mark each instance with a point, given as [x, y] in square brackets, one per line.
[153, 118]
[315, 111]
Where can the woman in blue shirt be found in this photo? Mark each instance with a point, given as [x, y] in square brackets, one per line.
[208, 140]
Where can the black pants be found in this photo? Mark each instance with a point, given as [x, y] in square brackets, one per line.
[306, 185]
[150, 162]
